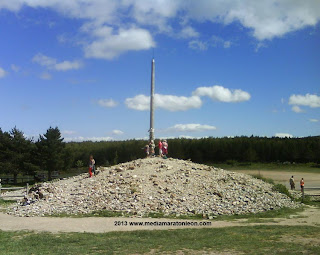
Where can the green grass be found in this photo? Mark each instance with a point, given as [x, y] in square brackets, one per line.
[247, 240]
[101, 213]
[6, 202]
[258, 217]
[260, 177]
[106, 213]
[306, 168]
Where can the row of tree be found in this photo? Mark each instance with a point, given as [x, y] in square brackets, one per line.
[19, 155]
[248, 149]
[208, 150]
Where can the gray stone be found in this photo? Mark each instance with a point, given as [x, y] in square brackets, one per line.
[175, 187]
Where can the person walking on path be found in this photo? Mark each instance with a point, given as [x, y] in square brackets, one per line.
[292, 184]
[302, 185]
[92, 167]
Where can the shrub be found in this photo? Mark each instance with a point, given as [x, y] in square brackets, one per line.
[281, 189]
[260, 177]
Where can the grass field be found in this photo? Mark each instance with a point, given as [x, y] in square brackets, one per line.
[235, 240]
[307, 167]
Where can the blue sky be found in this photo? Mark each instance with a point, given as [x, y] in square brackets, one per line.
[223, 68]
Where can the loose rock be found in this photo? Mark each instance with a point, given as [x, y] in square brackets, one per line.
[151, 185]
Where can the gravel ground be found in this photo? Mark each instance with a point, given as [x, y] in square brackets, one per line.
[309, 217]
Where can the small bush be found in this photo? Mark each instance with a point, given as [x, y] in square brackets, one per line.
[260, 177]
[231, 162]
[281, 189]
[276, 187]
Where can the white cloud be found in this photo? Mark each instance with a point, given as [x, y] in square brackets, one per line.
[226, 44]
[219, 41]
[62, 38]
[181, 103]
[188, 137]
[177, 103]
[310, 100]
[214, 41]
[266, 19]
[191, 128]
[68, 132]
[44, 60]
[313, 120]
[46, 76]
[259, 46]
[13, 5]
[109, 45]
[107, 103]
[283, 135]
[188, 32]
[180, 136]
[15, 68]
[3, 73]
[198, 45]
[117, 132]
[156, 13]
[139, 102]
[297, 109]
[52, 63]
[167, 102]
[100, 11]
[82, 139]
[135, 20]
[219, 93]
[68, 65]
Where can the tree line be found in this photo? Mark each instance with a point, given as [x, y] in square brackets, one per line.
[21, 155]
[247, 149]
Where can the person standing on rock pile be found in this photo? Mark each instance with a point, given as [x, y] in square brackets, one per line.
[152, 146]
[160, 148]
[92, 167]
[146, 149]
[292, 184]
[165, 148]
[302, 185]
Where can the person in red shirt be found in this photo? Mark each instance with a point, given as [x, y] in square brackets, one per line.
[302, 184]
[160, 148]
[92, 169]
[165, 148]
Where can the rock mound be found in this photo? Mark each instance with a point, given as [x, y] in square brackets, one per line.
[153, 185]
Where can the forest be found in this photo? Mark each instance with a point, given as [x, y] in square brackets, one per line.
[22, 156]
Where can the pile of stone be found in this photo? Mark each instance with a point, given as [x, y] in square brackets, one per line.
[153, 185]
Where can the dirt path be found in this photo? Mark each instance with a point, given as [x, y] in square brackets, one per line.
[310, 179]
[309, 217]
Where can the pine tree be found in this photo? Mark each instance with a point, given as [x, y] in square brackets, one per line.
[51, 150]
[16, 154]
